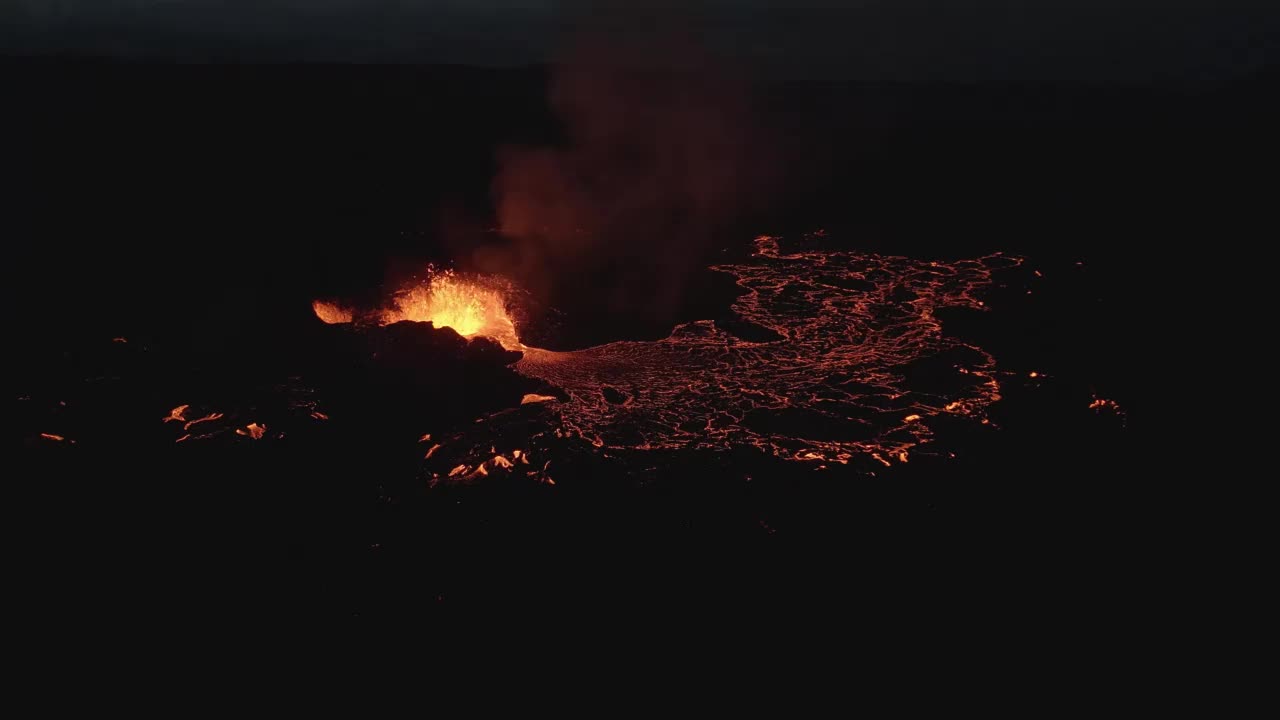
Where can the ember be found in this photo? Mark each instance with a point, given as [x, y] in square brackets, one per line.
[1101, 404]
[253, 430]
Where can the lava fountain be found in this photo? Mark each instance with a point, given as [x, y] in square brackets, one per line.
[467, 306]
[470, 306]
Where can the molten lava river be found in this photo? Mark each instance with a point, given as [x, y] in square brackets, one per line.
[857, 368]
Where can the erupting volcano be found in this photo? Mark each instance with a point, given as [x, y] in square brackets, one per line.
[347, 313]
[846, 360]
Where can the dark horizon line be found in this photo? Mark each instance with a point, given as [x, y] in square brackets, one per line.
[1270, 73]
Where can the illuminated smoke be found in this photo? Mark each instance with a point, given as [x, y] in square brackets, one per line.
[656, 164]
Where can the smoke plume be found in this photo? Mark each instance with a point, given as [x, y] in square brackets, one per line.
[659, 156]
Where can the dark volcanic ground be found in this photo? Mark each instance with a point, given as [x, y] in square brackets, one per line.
[196, 211]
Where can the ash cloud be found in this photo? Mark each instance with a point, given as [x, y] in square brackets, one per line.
[660, 155]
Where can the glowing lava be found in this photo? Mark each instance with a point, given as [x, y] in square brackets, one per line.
[860, 366]
[847, 362]
[468, 306]
[331, 313]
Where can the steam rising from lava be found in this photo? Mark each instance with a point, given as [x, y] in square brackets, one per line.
[656, 163]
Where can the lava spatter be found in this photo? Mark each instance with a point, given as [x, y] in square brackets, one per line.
[331, 313]
[468, 305]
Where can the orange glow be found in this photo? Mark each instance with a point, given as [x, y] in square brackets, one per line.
[253, 430]
[51, 436]
[331, 313]
[206, 418]
[1104, 404]
[836, 356]
[176, 414]
[1101, 404]
[469, 307]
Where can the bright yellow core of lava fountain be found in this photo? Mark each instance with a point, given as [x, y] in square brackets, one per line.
[468, 307]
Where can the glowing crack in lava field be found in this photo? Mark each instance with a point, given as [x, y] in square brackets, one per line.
[832, 383]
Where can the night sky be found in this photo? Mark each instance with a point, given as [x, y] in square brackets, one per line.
[1156, 42]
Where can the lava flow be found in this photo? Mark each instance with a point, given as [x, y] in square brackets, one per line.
[859, 366]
